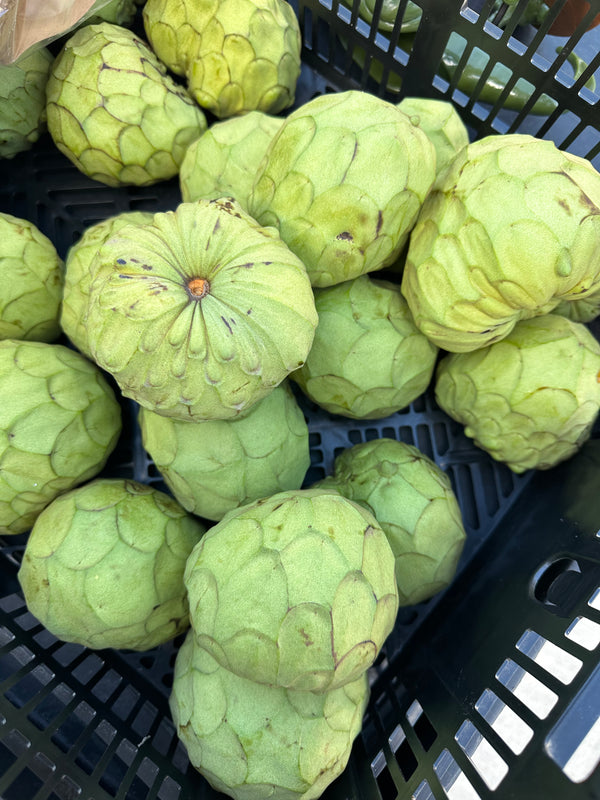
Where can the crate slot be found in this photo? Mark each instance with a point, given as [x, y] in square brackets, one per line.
[574, 741]
[421, 725]
[403, 753]
[584, 632]
[535, 695]
[556, 661]
[423, 792]
[594, 601]
[29, 686]
[454, 782]
[50, 706]
[504, 721]
[486, 760]
[25, 785]
[381, 773]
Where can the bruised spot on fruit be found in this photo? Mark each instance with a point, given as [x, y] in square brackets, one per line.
[227, 325]
[346, 235]
[598, 377]
[198, 288]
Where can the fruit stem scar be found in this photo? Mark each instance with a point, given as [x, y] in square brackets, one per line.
[198, 287]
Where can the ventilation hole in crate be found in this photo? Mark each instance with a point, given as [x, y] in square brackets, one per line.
[423, 792]
[556, 661]
[27, 621]
[125, 702]
[14, 660]
[107, 685]
[26, 784]
[385, 782]
[95, 747]
[440, 437]
[405, 434]
[424, 440]
[30, 685]
[462, 483]
[594, 601]
[402, 751]
[116, 769]
[88, 668]
[51, 706]
[66, 789]
[452, 779]
[73, 727]
[169, 790]
[355, 437]
[16, 742]
[535, 695]
[144, 719]
[371, 434]
[574, 742]
[486, 760]
[6, 636]
[584, 632]
[68, 653]
[7, 758]
[420, 723]
[509, 726]
[551, 582]
[164, 736]
[144, 779]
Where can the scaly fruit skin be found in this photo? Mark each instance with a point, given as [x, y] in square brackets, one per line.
[296, 590]
[201, 313]
[59, 422]
[253, 741]
[119, 12]
[31, 282]
[474, 267]
[113, 110]
[80, 271]
[237, 55]
[23, 101]
[224, 161]
[441, 122]
[214, 466]
[368, 359]
[343, 180]
[103, 565]
[584, 310]
[413, 501]
[529, 400]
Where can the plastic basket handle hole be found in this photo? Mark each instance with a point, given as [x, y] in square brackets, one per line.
[555, 581]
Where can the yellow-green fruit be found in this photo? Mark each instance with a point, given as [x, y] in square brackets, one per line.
[440, 120]
[115, 112]
[103, 565]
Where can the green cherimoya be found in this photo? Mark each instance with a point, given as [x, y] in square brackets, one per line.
[113, 110]
[80, 271]
[237, 55]
[512, 228]
[440, 120]
[343, 180]
[103, 565]
[23, 101]
[253, 741]
[585, 309]
[413, 501]
[295, 590]
[368, 358]
[223, 162]
[214, 466]
[531, 399]
[201, 313]
[59, 422]
[31, 282]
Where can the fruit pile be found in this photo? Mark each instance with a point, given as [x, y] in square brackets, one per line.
[348, 249]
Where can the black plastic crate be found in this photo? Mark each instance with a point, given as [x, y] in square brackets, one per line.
[486, 690]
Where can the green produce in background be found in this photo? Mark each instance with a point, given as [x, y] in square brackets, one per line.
[253, 741]
[103, 565]
[214, 466]
[79, 273]
[439, 119]
[584, 310]
[236, 55]
[59, 422]
[23, 101]
[115, 112]
[296, 590]
[529, 400]
[223, 162]
[119, 12]
[510, 230]
[31, 282]
[368, 358]
[343, 181]
[413, 501]
[200, 313]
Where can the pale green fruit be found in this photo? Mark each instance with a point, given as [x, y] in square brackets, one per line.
[237, 55]
[103, 565]
[214, 466]
[253, 741]
[531, 399]
[343, 180]
[113, 110]
[59, 422]
[583, 309]
[368, 358]
[295, 590]
[440, 120]
[79, 273]
[119, 12]
[31, 282]
[201, 313]
[512, 228]
[413, 501]
[23, 101]
[223, 162]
